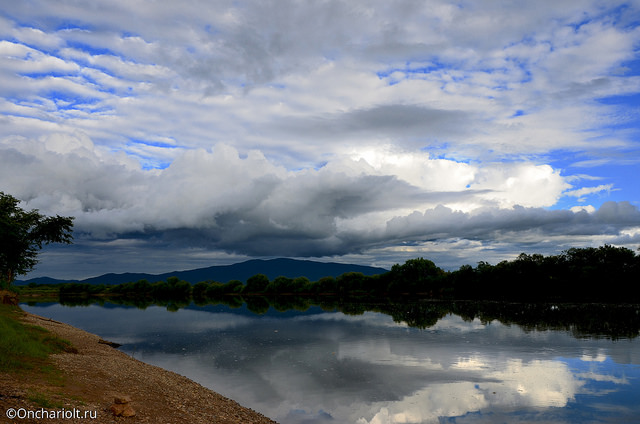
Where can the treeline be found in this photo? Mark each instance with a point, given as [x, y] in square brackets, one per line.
[173, 293]
[603, 274]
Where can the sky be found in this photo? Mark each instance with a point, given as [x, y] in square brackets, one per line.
[196, 133]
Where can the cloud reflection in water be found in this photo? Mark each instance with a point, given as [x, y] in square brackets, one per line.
[327, 367]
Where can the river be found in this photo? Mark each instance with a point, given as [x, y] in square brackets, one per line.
[319, 366]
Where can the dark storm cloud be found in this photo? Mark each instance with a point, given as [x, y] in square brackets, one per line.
[219, 201]
[315, 234]
[384, 121]
[281, 127]
[494, 223]
[297, 216]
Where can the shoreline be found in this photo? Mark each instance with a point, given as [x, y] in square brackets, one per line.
[97, 373]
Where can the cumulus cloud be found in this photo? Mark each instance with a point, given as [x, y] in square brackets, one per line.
[533, 384]
[281, 128]
[220, 200]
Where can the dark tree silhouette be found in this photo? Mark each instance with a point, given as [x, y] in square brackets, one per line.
[22, 235]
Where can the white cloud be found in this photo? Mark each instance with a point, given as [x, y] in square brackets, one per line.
[588, 190]
[521, 184]
[340, 120]
[585, 208]
[248, 205]
[514, 385]
[200, 187]
[324, 60]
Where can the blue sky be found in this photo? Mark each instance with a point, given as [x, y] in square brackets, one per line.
[368, 132]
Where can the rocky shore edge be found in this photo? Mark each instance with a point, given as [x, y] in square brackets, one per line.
[97, 378]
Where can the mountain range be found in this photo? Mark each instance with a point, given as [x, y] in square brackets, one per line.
[272, 268]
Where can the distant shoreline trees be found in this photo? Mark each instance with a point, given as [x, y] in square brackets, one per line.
[603, 274]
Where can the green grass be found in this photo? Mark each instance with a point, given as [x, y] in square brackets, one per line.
[23, 346]
[43, 400]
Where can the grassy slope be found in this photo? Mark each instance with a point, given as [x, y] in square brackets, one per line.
[24, 356]
[23, 346]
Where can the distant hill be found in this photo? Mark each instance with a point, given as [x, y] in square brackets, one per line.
[272, 268]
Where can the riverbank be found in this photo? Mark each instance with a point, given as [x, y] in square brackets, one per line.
[93, 374]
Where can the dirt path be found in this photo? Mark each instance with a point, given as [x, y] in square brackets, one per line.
[91, 378]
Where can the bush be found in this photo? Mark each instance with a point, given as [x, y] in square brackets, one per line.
[256, 284]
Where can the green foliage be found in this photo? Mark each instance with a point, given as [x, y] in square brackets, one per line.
[42, 400]
[256, 284]
[233, 287]
[604, 274]
[326, 285]
[301, 285]
[178, 289]
[24, 346]
[199, 292]
[415, 276]
[351, 282]
[281, 285]
[22, 235]
[216, 290]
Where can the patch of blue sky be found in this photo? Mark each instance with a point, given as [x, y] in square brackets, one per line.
[621, 16]
[629, 68]
[630, 100]
[593, 368]
[97, 85]
[444, 150]
[62, 98]
[108, 71]
[577, 25]
[129, 34]
[73, 25]
[88, 48]
[411, 70]
[617, 15]
[154, 143]
[147, 162]
[524, 69]
[55, 74]
[152, 163]
[623, 117]
[591, 171]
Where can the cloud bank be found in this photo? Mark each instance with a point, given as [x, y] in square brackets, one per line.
[365, 131]
[219, 200]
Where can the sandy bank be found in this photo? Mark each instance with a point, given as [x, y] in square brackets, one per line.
[93, 376]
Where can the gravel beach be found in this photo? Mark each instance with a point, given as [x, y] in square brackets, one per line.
[95, 374]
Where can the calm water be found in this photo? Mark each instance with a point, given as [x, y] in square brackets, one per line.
[327, 367]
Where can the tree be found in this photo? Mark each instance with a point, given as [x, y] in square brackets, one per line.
[256, 284]
[415, 276]
[280, 284]
[22, 235]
